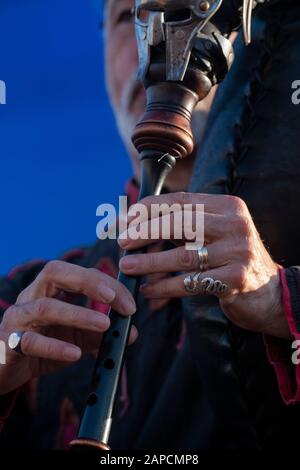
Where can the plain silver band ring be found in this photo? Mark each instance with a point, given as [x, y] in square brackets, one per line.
[203, 258]
[14, 341]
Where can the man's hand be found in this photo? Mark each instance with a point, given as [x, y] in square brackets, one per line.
[57, 333]
[236, 256]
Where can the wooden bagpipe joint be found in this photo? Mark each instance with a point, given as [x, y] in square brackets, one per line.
[166, 124]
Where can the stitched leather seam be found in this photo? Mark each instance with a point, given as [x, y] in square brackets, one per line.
[257, 93]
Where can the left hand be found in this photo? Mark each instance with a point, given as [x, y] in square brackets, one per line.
[236, 256]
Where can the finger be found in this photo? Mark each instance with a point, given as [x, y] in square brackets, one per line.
[152, 277]
[50, 312]
[156, 304]
[185, 227]
[59, 275]
[177, 259]
[133, 335]
[154, 205]
[174, 287]
[36, 345]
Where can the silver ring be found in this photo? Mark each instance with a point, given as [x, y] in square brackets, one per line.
[208, 285]
[14, 341]
[191, 283]
[213, 286]
[203, 258]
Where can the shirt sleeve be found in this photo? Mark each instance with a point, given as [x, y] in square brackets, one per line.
[282, 354]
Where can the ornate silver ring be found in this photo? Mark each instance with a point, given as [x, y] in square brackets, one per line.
[194, 285]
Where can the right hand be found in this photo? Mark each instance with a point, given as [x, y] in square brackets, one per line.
[57, 333]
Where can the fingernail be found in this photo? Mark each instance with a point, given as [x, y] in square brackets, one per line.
[129, 306]
[107, 294]
[127, 262]
[101, 321]
[72, 353]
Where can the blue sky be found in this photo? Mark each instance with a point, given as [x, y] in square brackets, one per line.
[59, 149]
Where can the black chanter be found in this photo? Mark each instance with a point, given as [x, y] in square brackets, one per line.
[184, 50]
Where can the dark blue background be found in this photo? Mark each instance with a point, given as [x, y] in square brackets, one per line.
[59, 149]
